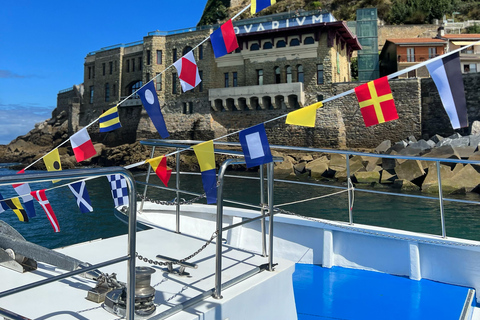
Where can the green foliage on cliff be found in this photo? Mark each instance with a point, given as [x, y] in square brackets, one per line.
[215, 11]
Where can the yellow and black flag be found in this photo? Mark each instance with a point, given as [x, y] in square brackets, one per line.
[16, 206]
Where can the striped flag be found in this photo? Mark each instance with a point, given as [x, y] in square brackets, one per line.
[15, 205]
[159, 165]
[109, 120]
[259, 5]
[23, 190]
[82, 145]
[376, 102]
[224, 39]
[3, 205]
[41, 197]
[447, 75]
[206, 159]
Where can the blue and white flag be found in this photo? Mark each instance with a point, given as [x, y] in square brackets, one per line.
[3, 205]
[79, 190]
[23, 190]
[255, 146]
[119, 187]
[149, 98]
[447, 75]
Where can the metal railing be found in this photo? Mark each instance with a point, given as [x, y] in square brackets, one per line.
[130, 257]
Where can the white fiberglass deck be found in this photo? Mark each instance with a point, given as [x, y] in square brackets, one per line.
[66, 299]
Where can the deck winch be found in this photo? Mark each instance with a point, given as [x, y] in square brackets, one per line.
[115, 300]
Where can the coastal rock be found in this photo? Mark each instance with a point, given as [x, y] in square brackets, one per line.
[367, 177]
[409, 170]
[388, 176]
[405, 185]
[383, 147]
[475, 129]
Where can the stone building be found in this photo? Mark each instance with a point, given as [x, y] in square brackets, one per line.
[282, 62]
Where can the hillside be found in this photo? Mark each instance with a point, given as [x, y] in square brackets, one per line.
[390, 11]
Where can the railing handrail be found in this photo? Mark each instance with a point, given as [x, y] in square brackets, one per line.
[82, 174]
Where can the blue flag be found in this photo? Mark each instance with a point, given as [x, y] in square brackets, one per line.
[149, 98]
[259, 5]
[3, 205]
[119, 187]
[255, 146]
[79, 190]
[109, 120]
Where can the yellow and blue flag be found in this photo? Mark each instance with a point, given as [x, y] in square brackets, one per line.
[259, 5]
[109, 120]
[206, 159]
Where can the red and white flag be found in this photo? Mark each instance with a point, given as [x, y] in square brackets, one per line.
[43, 201]
[82, 145]
[188, 72]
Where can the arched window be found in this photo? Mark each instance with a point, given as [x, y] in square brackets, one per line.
[134, 86]
[308, 40]
[186, 50]
[254, 47]
[277, 74]
[267, 45]
[281, 44]
[288, 71]
[294, 42]
[300, 76]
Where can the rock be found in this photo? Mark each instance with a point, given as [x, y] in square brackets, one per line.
[420, 144]
[389, 163]
[464, 152]
[306, 158]
[456, 135]
[405, 185]
[367, 177]
[432, 177]
[383, 147]
[283, 169]
[412, 139]
[467, 178]
[338, 162]
[474, 140]
[299, 168]
[410, 151]
[311, 164]
[356, 164]
[436, 138]
[409, 170]
[318, 170]
[446, 152]
[399, 146]
[388, 176]
[372, 164]
[475, 129]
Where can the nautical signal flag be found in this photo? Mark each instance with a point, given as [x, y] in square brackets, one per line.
[188, 71]
[259, 5]
[41, 197]
[3, 205]
[79, 190]
[149, 98]
[447, 75]
[109, 120]
[23, 190]
[15, 205]
[376, 102]
[159, 165]
[305, 116]
[224, 39]
[82, 145]
[255, 146]
[206, 159]
[119, 187]
[52, 162]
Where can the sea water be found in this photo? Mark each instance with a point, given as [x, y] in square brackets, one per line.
[412, 214]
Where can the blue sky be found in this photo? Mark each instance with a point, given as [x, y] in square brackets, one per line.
[44, 43]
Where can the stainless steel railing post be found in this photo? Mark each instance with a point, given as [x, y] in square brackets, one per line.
[440, 198]
[350, 212]
[270, 210]
[262, 201]
[177, 184]
[218, 253]
[146, 180]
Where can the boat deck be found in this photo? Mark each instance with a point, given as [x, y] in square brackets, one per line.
[341, 293]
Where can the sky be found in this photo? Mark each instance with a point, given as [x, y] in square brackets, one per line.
[43, 45]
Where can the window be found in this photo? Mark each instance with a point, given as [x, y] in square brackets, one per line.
[134, 87]
[107, 92]
[128, 65]
[147, 75]
[184, 109]
[174, 54]
[277, 74]
[319, 73]
[432, 52]
[110, 67]
[190, 108]
[254, 47]
[281, 44]
[174, 83]
[103, 68]
[93, 70]
[159, 82]
[186, 50]
[226, 79]
[91, 94]
[300, 76]
[159, 56]
[148, 57]
[288, 70]
[410, 54]
[260, 77]
[89, 72]
[309, 40]
[200, 52]
[133, 65]
[140, 63]
[200, 86]
[412, 74]
[469, 68]
[267, 45]
[235, 82]
[294, 42]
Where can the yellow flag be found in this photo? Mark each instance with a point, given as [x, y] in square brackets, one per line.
[205, 155]
[305, 116]
[52, 161]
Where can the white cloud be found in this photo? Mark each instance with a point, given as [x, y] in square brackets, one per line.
[18, 120]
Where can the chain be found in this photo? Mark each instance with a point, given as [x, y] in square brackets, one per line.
[378, 234]
[159, 263]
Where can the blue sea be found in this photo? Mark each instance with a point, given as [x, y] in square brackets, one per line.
[462, 220]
